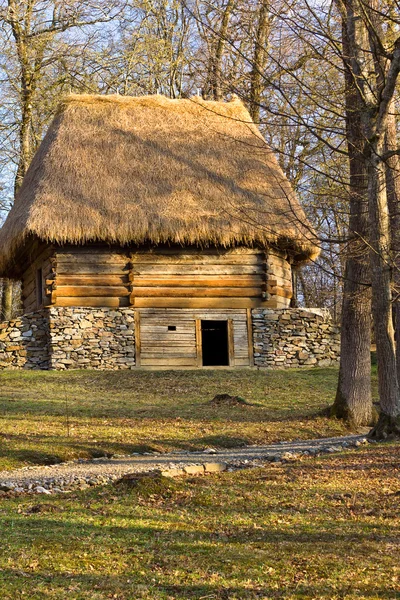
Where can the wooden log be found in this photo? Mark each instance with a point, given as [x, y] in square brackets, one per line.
[182, 292]
[30, 300]
[188, 314]
[86, 290]
[91, 269]
[279, 271]
[282, 292]
[202, 303]
[87, 258]
[96, 279]
[28, 287]
[201, 258]
[173, 251]
[195, 269]
[198, 281]
[92, 301]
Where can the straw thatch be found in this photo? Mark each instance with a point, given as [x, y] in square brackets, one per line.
[153, 170]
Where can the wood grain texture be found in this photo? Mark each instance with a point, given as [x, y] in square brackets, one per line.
[250, 343]
[183, 345]
[92, 301]
[171, 277]
[138, 340]
[197, 292]
[88, 291]
[202, 303]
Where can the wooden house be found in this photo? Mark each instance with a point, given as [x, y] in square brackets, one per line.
[175, 208]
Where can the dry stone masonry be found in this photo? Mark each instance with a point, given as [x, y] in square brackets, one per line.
[24, 342]
[69, 338]
[294, 338]
[104, 338]
[90, 338]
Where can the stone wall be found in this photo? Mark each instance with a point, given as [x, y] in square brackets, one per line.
[294, 337]
[90, 338]
[104, 338]
[69, 338]
[24, 342]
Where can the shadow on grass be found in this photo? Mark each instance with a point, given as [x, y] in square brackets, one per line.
[113, 586]
[32, 449]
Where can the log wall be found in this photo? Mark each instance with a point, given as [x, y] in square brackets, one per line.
[170, 278]
[91, 276]
[41, 258]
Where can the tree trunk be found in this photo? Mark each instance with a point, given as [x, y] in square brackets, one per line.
[258, 65]
[393, 196]
[389, 394]
[353, 401]
[216, 61]
[7, 300]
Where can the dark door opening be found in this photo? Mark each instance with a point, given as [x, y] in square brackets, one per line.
[214, 336]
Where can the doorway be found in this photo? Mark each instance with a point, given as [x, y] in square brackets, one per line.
[214, 342]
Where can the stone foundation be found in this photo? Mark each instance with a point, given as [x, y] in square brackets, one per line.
[294, 338]
[24, 342]
[90, 338]
[104, 338]
[69, 338]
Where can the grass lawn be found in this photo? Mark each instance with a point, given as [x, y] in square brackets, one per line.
[319, 528]
[53, 416]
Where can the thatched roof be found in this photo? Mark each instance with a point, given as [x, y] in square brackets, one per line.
[149, 169]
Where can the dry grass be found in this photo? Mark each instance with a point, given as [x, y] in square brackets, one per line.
[124, 412]
[324, 528]
[150, 169]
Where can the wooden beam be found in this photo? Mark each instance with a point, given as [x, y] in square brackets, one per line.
[137, 339]
[200, 258]
[92, 301]
[197, 292]
[87, 291]
[95, 279]
[280, 291]
[199, 344]
[168, 362]
[149, 270]
[91, 269]
[198, 281]
[231, 344]
[96, 258]
[203, 303]
[249, 323]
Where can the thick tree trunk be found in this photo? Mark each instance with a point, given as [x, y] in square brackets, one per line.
[353, 401]
[389, 393]
[7, 300]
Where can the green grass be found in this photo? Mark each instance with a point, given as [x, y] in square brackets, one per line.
[324, 528]
[51, 416]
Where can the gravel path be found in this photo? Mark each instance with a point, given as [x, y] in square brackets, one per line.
[82, 474]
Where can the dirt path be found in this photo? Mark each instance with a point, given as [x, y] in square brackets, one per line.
[82, 474]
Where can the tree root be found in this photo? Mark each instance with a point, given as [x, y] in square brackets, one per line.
[386, 429]
[366, 417]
